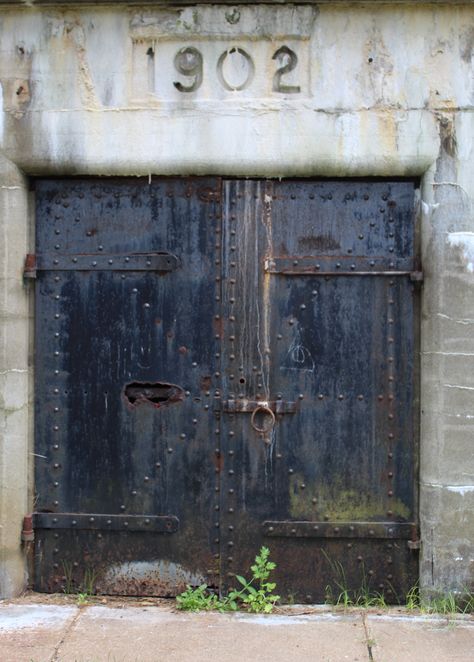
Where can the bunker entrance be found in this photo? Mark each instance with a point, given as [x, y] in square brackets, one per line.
[223, 364]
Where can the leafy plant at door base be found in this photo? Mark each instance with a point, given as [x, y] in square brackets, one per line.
[256, 594]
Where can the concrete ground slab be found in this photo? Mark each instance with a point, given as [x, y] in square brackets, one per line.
[32, 632]
[408, 639]
[152, 634]
[133, 631]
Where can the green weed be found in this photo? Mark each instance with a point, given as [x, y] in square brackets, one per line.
[198, 599]
[256, 595]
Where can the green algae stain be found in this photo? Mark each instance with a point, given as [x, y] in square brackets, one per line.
[317, 502]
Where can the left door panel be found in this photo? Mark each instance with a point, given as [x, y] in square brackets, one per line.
[126, 342]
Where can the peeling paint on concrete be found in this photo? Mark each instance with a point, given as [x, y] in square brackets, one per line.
[465, 242]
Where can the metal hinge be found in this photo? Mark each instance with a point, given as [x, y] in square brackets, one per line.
[29, 270]
[414, 544]
[27, 531]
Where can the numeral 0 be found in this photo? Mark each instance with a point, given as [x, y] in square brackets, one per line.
[188, 62]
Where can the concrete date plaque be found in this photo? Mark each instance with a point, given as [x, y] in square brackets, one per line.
[218, 55]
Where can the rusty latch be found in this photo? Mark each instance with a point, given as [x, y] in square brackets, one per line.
[414, 544]
[249, 406]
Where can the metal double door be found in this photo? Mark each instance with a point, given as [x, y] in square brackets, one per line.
[220, 365]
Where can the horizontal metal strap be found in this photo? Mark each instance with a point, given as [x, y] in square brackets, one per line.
[99, 262]
[383, 530]
[339, 266]
[248, 406]
[99, 522]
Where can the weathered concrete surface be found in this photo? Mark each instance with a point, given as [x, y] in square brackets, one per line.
[383, 90]
[14, 376]
[31, 633]
[40, 633]
[413, 640]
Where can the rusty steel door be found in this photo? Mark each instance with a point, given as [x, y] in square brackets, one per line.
[127, 290]
[318, 397]
[222, 364]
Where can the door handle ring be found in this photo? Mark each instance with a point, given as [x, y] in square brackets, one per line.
[266, 409]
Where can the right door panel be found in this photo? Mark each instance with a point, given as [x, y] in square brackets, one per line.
[319, 438]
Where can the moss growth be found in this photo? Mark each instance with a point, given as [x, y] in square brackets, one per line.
[318, 501]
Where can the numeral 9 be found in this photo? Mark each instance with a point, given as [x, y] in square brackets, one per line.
[188, 61]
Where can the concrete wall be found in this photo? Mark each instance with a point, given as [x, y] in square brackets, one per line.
[377, 89]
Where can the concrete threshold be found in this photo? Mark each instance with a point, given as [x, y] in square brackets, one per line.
[151, 631]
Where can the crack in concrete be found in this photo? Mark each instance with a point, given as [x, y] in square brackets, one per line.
[369, 641]
[69, 627]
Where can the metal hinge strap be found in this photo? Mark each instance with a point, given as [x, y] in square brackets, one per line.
[162, 262]
[341, 266]
[374, 530]
[94, 522]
